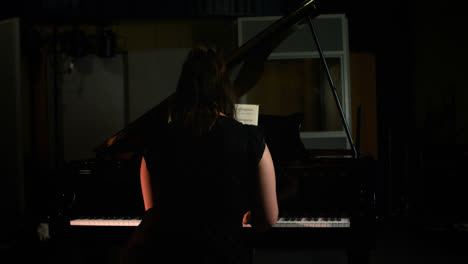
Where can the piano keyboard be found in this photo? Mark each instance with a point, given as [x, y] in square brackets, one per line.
[313, 222]
[283, 222]
[105, 221]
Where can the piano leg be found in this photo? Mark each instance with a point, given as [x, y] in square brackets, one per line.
[357, 255]
[362, 241]
[251, 255]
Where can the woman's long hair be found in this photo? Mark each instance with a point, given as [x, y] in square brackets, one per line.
[203, 91]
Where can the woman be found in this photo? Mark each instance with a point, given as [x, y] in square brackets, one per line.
[204, 175]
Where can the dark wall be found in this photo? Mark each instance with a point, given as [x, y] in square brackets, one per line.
[421, 93]
[12, 200]
[421, 90]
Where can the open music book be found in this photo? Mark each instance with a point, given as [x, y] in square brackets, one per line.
[247, 113]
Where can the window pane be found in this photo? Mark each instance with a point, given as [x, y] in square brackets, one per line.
[300, 86]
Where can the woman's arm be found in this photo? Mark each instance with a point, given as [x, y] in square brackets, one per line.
[145, 181]
[265, 213]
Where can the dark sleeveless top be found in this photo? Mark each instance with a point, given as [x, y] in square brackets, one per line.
[203, 186]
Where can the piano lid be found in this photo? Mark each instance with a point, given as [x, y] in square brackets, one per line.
[252, 56]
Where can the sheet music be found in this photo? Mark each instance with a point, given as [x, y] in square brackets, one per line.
[247, 113]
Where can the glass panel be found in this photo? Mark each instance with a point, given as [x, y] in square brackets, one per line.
[300, 86]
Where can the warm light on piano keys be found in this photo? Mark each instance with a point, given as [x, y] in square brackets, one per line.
[283, 222]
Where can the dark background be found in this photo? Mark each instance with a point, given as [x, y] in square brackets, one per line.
[421, 56]
[421, 80]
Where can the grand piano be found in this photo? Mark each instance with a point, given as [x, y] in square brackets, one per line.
[326, 198]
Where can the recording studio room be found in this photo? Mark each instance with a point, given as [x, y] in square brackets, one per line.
[360, 105]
